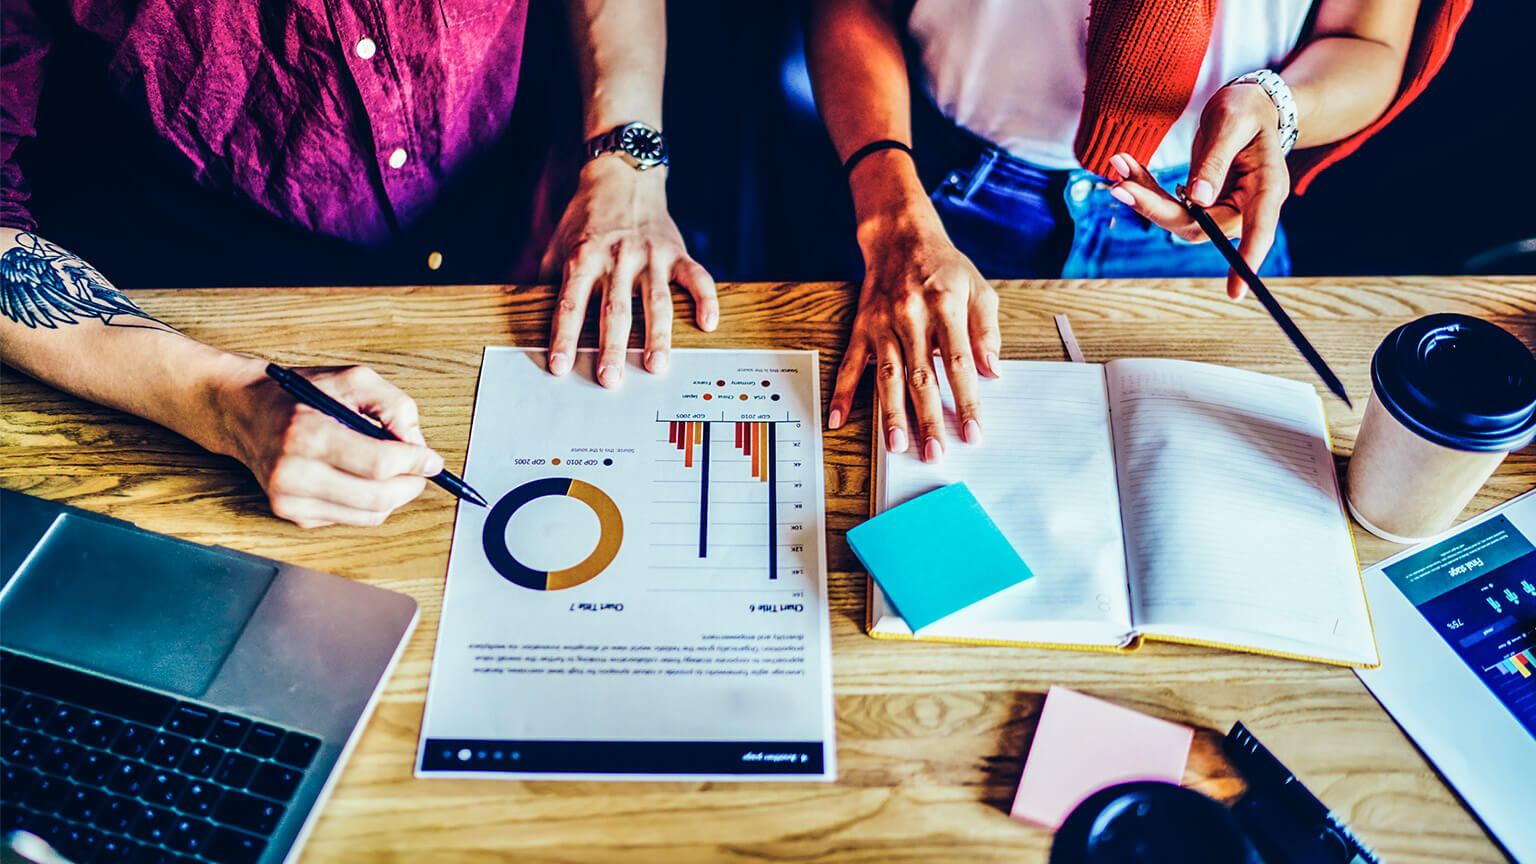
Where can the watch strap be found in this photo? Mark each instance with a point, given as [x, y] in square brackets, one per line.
[1280, 94]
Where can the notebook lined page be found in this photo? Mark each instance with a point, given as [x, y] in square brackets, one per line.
[1232, 511]
[1045, 474]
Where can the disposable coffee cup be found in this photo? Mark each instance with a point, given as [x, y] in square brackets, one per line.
[1451, 396]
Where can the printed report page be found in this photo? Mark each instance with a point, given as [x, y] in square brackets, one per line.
[646, 596]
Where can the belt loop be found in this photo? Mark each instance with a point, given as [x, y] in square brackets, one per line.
[979, 173]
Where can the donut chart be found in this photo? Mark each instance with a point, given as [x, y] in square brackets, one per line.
[494, 537]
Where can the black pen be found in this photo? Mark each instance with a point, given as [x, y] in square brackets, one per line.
[301, 389]
[1222, 244]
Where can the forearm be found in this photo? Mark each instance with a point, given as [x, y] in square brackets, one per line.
[1349, 70]
[65, 325]
[621, 49]
[858, 72]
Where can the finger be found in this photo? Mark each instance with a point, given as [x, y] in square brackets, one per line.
[855, 358]
[1260, 220]
[311, 512]
[706, 300]
[571, 310]
[613, 329]
[1141, 192]
[1216, 144]
[890, 388]
[369, 393]
[361, 456]
[549, 262]
[986, 337]
[960, 365]
[923, 386]
[658, 317]
[295, 479]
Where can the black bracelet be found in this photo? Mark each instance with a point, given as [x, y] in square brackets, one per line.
[872, 147]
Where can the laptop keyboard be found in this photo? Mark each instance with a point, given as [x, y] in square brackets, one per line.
[109, 772]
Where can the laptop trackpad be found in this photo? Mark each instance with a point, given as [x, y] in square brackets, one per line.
[135, 605]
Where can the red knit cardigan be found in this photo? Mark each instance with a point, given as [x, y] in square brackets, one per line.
[1140, 78]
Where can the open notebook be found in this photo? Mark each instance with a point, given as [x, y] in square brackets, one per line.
[1158, 499]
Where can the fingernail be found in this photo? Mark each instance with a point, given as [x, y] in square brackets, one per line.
[993, 367]
[608, 376]
[709, 319]
[1122, 196]
[657, 361]
[559, 364]
[971, 432]
[1118, 162]
[434, 464]
[835, 419]
[1202, 193]
[933, 451]
[896, 440]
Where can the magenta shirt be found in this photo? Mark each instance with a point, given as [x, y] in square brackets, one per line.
[343, 117]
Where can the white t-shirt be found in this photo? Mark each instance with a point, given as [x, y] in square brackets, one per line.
[1013, 71]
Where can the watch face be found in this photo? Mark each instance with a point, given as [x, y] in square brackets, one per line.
[643, 143]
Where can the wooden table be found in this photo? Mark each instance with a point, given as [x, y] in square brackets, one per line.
[931, 737]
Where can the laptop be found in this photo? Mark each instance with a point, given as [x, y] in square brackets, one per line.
[166, 701]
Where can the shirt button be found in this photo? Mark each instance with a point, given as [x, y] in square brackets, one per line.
[365, 48]
[397, 158]
[434, 260]
[1079, 190]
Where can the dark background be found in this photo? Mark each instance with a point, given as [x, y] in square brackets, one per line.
[757, 191]
[754, 183]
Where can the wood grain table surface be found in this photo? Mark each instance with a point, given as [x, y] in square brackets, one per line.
[931, 737]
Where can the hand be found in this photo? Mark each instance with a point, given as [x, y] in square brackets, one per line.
[617, 234]
[920, 295]
[315, 470]
[1236, 151]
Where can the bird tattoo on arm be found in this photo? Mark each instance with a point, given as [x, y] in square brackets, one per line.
[44, 285]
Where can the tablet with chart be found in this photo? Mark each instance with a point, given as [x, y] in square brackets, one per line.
[645, 598]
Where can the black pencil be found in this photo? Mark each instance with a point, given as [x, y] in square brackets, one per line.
[1315, 360]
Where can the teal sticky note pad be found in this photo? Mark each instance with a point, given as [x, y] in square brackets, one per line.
[937, 554]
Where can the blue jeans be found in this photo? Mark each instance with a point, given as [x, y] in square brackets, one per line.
[1016, 221]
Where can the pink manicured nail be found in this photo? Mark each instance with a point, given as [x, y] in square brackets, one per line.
[709, 319]
[971, 432]
[608, 376]
[835, 419]
[896, 440]
[1120, 164]
[993, 367]
[559, 364]
[657, 362]
[933, 451]
[1122, 196]
[1202, 193]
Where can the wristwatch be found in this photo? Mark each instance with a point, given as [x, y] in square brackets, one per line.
[1285, 104]
[636, 143]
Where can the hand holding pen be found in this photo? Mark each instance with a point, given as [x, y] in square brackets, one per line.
[406, 461]
[315, 469]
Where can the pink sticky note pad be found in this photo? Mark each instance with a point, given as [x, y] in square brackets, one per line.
[1085, 744]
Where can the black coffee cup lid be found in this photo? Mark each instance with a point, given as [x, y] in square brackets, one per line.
[1458, 381]
[1151, 823]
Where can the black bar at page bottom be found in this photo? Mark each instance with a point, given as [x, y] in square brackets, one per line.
[623, 757]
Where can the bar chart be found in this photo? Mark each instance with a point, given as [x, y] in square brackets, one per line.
[723, 480]
[1522, 663]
